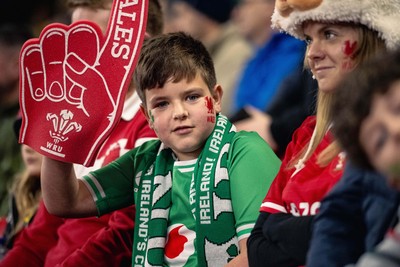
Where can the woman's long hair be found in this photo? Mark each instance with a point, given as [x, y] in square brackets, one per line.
[27, 193]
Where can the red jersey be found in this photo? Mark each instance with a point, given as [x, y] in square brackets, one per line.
[300, 192]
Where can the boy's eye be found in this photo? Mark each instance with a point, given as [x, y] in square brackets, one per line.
[192, 97]
[161, 104]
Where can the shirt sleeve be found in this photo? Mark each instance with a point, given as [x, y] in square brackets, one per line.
[112, 187]
[250, 178]
[353, 218]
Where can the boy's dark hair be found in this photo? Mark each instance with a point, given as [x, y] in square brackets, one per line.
[155, 19]
[353, 101]
[174, 56]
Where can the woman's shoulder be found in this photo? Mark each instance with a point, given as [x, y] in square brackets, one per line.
[306, 129]
[302, 135]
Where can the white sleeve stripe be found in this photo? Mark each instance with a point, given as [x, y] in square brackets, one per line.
[244, 227]
[274, 206]
[97, 184]
[90, 189]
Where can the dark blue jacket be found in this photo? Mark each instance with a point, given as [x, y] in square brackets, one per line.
[353, 218]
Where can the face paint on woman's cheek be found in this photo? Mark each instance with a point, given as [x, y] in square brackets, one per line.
[349, 47]
[210, 109]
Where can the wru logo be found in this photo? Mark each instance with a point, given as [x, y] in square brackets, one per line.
[62, 125]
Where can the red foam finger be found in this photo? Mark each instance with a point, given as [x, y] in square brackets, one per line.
[53, 45]
[85, 41]
[124, 38]
[31, 71]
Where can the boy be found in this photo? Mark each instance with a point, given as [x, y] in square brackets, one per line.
[367, 125]
[198, 188]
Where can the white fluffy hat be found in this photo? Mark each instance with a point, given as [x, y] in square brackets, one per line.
[382, 16]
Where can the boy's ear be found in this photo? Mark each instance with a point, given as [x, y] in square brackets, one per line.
[217, 96]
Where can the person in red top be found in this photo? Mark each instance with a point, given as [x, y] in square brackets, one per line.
[340, 34]
[95, 241]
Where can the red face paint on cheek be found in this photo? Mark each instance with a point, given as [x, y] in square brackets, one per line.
[348, 65]
[349, 48]
[210, 109]
[209, 104]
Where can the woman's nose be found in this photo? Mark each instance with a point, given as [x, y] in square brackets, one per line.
[315, 51]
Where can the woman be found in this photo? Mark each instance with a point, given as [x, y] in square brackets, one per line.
[24, 199]
[340, 34]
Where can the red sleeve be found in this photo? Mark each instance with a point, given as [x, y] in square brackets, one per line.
[111, 246]
[273, 202]
[31, 247]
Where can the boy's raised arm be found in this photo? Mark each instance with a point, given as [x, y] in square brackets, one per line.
[73, 83]
[64, 195]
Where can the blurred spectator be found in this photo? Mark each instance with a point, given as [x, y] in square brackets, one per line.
[24, 199]
[275, 93]
[33, 14]
[209, 21]
[12, 37]
[276, 55]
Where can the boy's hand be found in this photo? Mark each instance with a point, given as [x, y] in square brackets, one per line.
[73, 82]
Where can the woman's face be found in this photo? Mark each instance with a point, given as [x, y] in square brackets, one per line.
[330, 52]
[32, 160]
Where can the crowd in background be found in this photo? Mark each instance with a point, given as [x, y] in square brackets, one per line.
[324, 208]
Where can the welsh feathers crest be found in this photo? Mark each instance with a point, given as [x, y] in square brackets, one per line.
[62, 125]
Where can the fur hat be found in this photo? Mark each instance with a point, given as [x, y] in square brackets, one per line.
[383, 16]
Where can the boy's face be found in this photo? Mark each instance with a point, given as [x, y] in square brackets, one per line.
[380, 134]
[183, 115]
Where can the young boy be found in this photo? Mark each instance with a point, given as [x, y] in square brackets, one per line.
[198, 188]
[367, 124]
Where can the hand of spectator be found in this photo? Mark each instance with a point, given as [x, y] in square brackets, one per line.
[74, 80]
[259, 122]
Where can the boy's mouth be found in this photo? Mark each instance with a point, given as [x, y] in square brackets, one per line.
[182, 129]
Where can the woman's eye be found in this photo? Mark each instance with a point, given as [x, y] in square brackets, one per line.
[329, 35]
[308, 40]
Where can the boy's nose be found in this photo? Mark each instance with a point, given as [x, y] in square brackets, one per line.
[180, 112]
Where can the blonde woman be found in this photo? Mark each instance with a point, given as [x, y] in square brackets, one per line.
[340, 34]
[25, 197]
